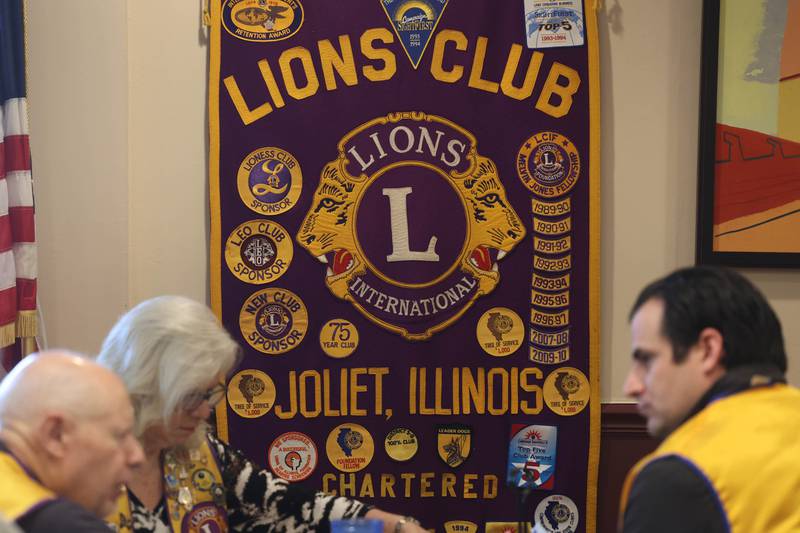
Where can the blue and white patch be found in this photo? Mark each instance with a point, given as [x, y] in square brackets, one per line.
[556, 514]
[532, 456]
[554, 23]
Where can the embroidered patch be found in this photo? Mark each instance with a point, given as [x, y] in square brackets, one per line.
[350, 447]
[414, 22]
[269, 181]
[566, 391]
[500, 331]
[454, 443]
[251, 393]
[506, 527]
[259, 252]
[338, 338]
[460, 526]
[206, 517]
[273, 321]
[292, 456]
[262, 20]
[401, 444]
[548, 164]
[556, 514]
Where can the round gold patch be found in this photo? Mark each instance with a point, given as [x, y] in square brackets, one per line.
[401, 444]
[251, 393]
[566, 391]
[350, 447]
[273, 321]
[338, 338]
[548, 164]
[259, 251]
[500, 331]
[269, 181]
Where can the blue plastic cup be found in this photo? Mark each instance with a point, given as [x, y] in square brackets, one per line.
[357, 525]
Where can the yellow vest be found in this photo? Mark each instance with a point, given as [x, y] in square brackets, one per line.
[19, 493]
[193, 491]
[748, 446]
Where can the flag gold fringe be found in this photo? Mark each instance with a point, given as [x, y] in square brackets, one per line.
[8, 335]
[26, 324]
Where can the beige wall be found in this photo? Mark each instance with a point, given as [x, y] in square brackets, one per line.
[118, 134]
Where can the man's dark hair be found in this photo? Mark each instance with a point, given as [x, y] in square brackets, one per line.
[713, 297]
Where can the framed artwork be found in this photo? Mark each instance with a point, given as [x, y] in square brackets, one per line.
[748, 211]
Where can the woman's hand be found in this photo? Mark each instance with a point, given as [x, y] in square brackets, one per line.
[395, 523]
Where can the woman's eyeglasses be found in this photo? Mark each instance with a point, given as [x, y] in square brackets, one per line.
[213, 396]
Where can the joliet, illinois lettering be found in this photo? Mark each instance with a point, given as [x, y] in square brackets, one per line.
[414, 272]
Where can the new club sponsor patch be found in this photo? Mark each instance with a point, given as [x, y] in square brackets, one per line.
[251, 393]
[375, 222]
[454, 443]
[273, 321]
[548, 164]
[532, 457]
[206, 517]
[258, 251]
[500, 331]
[460, 526]
[401, 444]
[338, 338]
[269, 181]
[554, 23]
[292, 456]
[350, 447]
[556, 514]
[414, 22]
[262, 20]
[566, 391]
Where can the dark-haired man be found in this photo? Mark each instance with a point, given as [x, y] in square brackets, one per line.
[708, 375]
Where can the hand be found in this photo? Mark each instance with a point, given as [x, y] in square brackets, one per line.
[391, 522]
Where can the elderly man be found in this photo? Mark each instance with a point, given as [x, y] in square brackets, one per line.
[708, 375]
[66, 443]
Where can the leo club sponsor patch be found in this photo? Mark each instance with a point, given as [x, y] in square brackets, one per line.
[566, 391]
[349, 447]
[500, 331]
[251, 393]
[273, 321]
[258, 251]
[269, 181]
[262, 20]
[292, 456]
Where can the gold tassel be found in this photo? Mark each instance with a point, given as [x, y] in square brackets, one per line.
[26, 324]
[8, 335]
[206, 14]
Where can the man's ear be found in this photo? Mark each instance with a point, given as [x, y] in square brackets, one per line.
[54, 434]
[713, 348]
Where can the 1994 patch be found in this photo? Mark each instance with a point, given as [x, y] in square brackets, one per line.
[262, 20]
[259, 251]
[269, 181]
[273, 321]
[548, 164]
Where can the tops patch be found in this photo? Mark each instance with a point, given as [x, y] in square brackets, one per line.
[262, 21]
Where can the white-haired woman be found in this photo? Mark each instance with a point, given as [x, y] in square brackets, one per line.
[173, 355]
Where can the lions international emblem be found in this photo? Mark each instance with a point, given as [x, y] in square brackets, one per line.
[376, 220]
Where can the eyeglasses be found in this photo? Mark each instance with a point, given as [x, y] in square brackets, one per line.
[213, 396]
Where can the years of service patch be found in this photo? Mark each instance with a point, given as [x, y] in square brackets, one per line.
[500, 331]
[566, 391]
[259, 251]
[251, 393]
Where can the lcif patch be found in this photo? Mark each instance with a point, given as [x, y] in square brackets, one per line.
[453, 443]
[532, 456]
[293, 456]
[414, 22]
[350, 447]
[566, 391]
[251, 393]
[548, 164]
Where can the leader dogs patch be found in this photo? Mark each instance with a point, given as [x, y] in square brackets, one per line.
[375, 222]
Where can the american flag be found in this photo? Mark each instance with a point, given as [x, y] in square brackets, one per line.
[17, 229]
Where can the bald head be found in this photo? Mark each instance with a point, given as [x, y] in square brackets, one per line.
[56, 381]
[70, 421]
